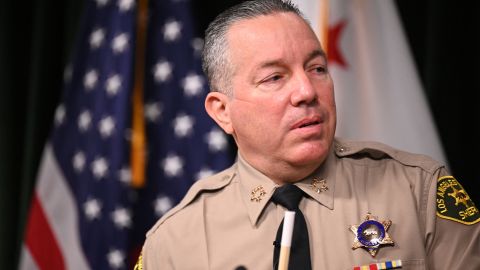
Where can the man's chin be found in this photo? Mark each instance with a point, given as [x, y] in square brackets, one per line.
[309, 159]
[311, 152]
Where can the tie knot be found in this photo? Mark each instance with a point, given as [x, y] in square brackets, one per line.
[288, 196]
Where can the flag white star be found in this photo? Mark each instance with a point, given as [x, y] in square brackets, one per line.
[96, 38]
[172, 166]
[106, 126]
[192, 85]
[90, 79]
[204, 173]
[162, 204]
[84, 121]
[79, 161]
[60, 114]
[116, 259]
[101, 3]
[197, 45]
[162, 71]
[122, 218]
[125, 175]
[153, 111]
[92, 208]
[183, 125]
[125, 5]
[99, 168]
[113, 84]
[120, 43]
[172, 30]
[216, 140]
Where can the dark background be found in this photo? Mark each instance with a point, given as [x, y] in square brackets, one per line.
[37, 36]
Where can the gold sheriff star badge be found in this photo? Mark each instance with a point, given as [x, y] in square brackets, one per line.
[257, 194]
[319, 185]
[371, 233]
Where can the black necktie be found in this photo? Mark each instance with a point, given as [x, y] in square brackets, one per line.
[289, 196]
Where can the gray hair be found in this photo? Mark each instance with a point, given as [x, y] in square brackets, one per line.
[216, 65]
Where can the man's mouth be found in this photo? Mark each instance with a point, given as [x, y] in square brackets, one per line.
[306, 122]
[309, 124]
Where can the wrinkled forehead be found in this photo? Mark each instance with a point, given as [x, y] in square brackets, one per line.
[277, 18]
[275, 35]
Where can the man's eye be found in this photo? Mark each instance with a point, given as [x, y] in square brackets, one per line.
[273, 78]
[320, 69]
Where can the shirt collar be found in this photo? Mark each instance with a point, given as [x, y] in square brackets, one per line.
[257, 188]
[324, 174]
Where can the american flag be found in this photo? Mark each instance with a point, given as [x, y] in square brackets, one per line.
[85, 214]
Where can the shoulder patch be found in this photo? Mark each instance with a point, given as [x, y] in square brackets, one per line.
[139, 264]
[453, 202]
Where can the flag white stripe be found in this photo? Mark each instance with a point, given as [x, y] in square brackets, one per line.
[56, 200]
[26, 260]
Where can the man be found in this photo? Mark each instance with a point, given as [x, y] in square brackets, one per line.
[363, 203]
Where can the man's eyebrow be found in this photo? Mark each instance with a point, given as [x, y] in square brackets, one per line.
[272, 63]
[314, 54]
[280, 62]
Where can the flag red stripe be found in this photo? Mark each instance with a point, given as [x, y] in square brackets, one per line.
[40, 239]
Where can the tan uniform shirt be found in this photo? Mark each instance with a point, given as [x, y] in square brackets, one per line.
[227, 220]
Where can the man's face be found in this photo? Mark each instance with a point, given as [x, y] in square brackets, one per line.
[282, 111]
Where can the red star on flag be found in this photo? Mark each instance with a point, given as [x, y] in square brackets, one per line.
[333, 45]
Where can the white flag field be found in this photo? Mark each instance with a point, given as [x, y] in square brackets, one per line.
[377, 89]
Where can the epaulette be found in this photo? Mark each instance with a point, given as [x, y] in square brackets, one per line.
[214, 182]
[377, 150]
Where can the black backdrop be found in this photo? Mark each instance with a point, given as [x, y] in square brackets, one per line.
[36, 38]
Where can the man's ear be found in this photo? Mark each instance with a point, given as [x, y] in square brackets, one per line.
[217, 107]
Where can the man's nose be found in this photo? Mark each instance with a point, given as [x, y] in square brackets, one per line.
[303, 91]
